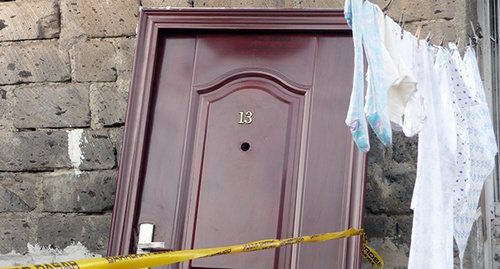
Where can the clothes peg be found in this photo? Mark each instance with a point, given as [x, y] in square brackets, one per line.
[473, 41]
[417, 34]
[429, 37]
[457, 42]
[441, 42]
[387, 6]
[402, 24]
[473, 30]
[475, 38]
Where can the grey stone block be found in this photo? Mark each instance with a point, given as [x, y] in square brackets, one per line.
[167, 3]
[97, 18]
[52, 106]
[391, 175]
[33, 62]
[98, 151]
[48, 150]
[398, 228]
[37, 150]
[315, 3]
[14, 234]
[17, 192]
[6, 100]
[26, 20]
[116, 135]
[60, 230]
[94, 61]
[109, 105]
[125, 59]
[87, 192]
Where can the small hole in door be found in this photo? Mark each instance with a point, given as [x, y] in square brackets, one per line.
[245, 146]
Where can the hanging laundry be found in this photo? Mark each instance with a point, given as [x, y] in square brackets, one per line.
[414, 117]
[447, 108]
[390, 82]
[400, 81]
[379, 61]
[355, 115]
[462, 98]
[432, 233]
[481, 145]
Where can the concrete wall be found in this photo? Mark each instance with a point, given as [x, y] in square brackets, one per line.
[66, 67]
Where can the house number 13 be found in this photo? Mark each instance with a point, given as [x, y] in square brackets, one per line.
[245, 117]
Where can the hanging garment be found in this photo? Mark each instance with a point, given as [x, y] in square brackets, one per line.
[414, 117]
[432, 236]
[462, 99]
[401, 83]
[482, 148]
[355, 115]
[379, 65]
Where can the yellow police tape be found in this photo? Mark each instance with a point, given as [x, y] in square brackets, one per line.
[162, 258]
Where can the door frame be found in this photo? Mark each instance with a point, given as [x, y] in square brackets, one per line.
[135, 139]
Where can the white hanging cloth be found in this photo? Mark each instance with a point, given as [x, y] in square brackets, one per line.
[482, 148]
[432, 236]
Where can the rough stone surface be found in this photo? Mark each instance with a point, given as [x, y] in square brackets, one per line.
[398, 227]
[116, 136]
[87, 192]
[267, 3]
[48, 150]
[97, 18]
[38, 150]
[17, 192]
[64, 105]
[25, 20]
[109, 105]
[94, 61]
[315, 4]
[33, 62]
[167, 3]
[496, 241]
[98, 151]
[391, 175]
[423, 10]
[60, 230]
[6, 99]
[14, 234]
[125, 48]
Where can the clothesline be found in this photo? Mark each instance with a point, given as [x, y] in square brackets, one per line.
[431, 91]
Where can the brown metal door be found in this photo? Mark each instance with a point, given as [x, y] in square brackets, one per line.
[245, 141]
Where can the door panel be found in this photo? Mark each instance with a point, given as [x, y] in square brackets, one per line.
[243, 176]
[243, 139]
[236, 50]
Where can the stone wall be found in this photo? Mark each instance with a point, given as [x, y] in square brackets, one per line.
[66, 67]
[64, 81]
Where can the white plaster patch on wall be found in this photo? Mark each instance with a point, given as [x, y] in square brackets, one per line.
[74, 149]
[37, 255]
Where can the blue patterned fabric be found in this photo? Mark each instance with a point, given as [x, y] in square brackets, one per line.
[362, 18]
[355, 115]
[482, 147]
